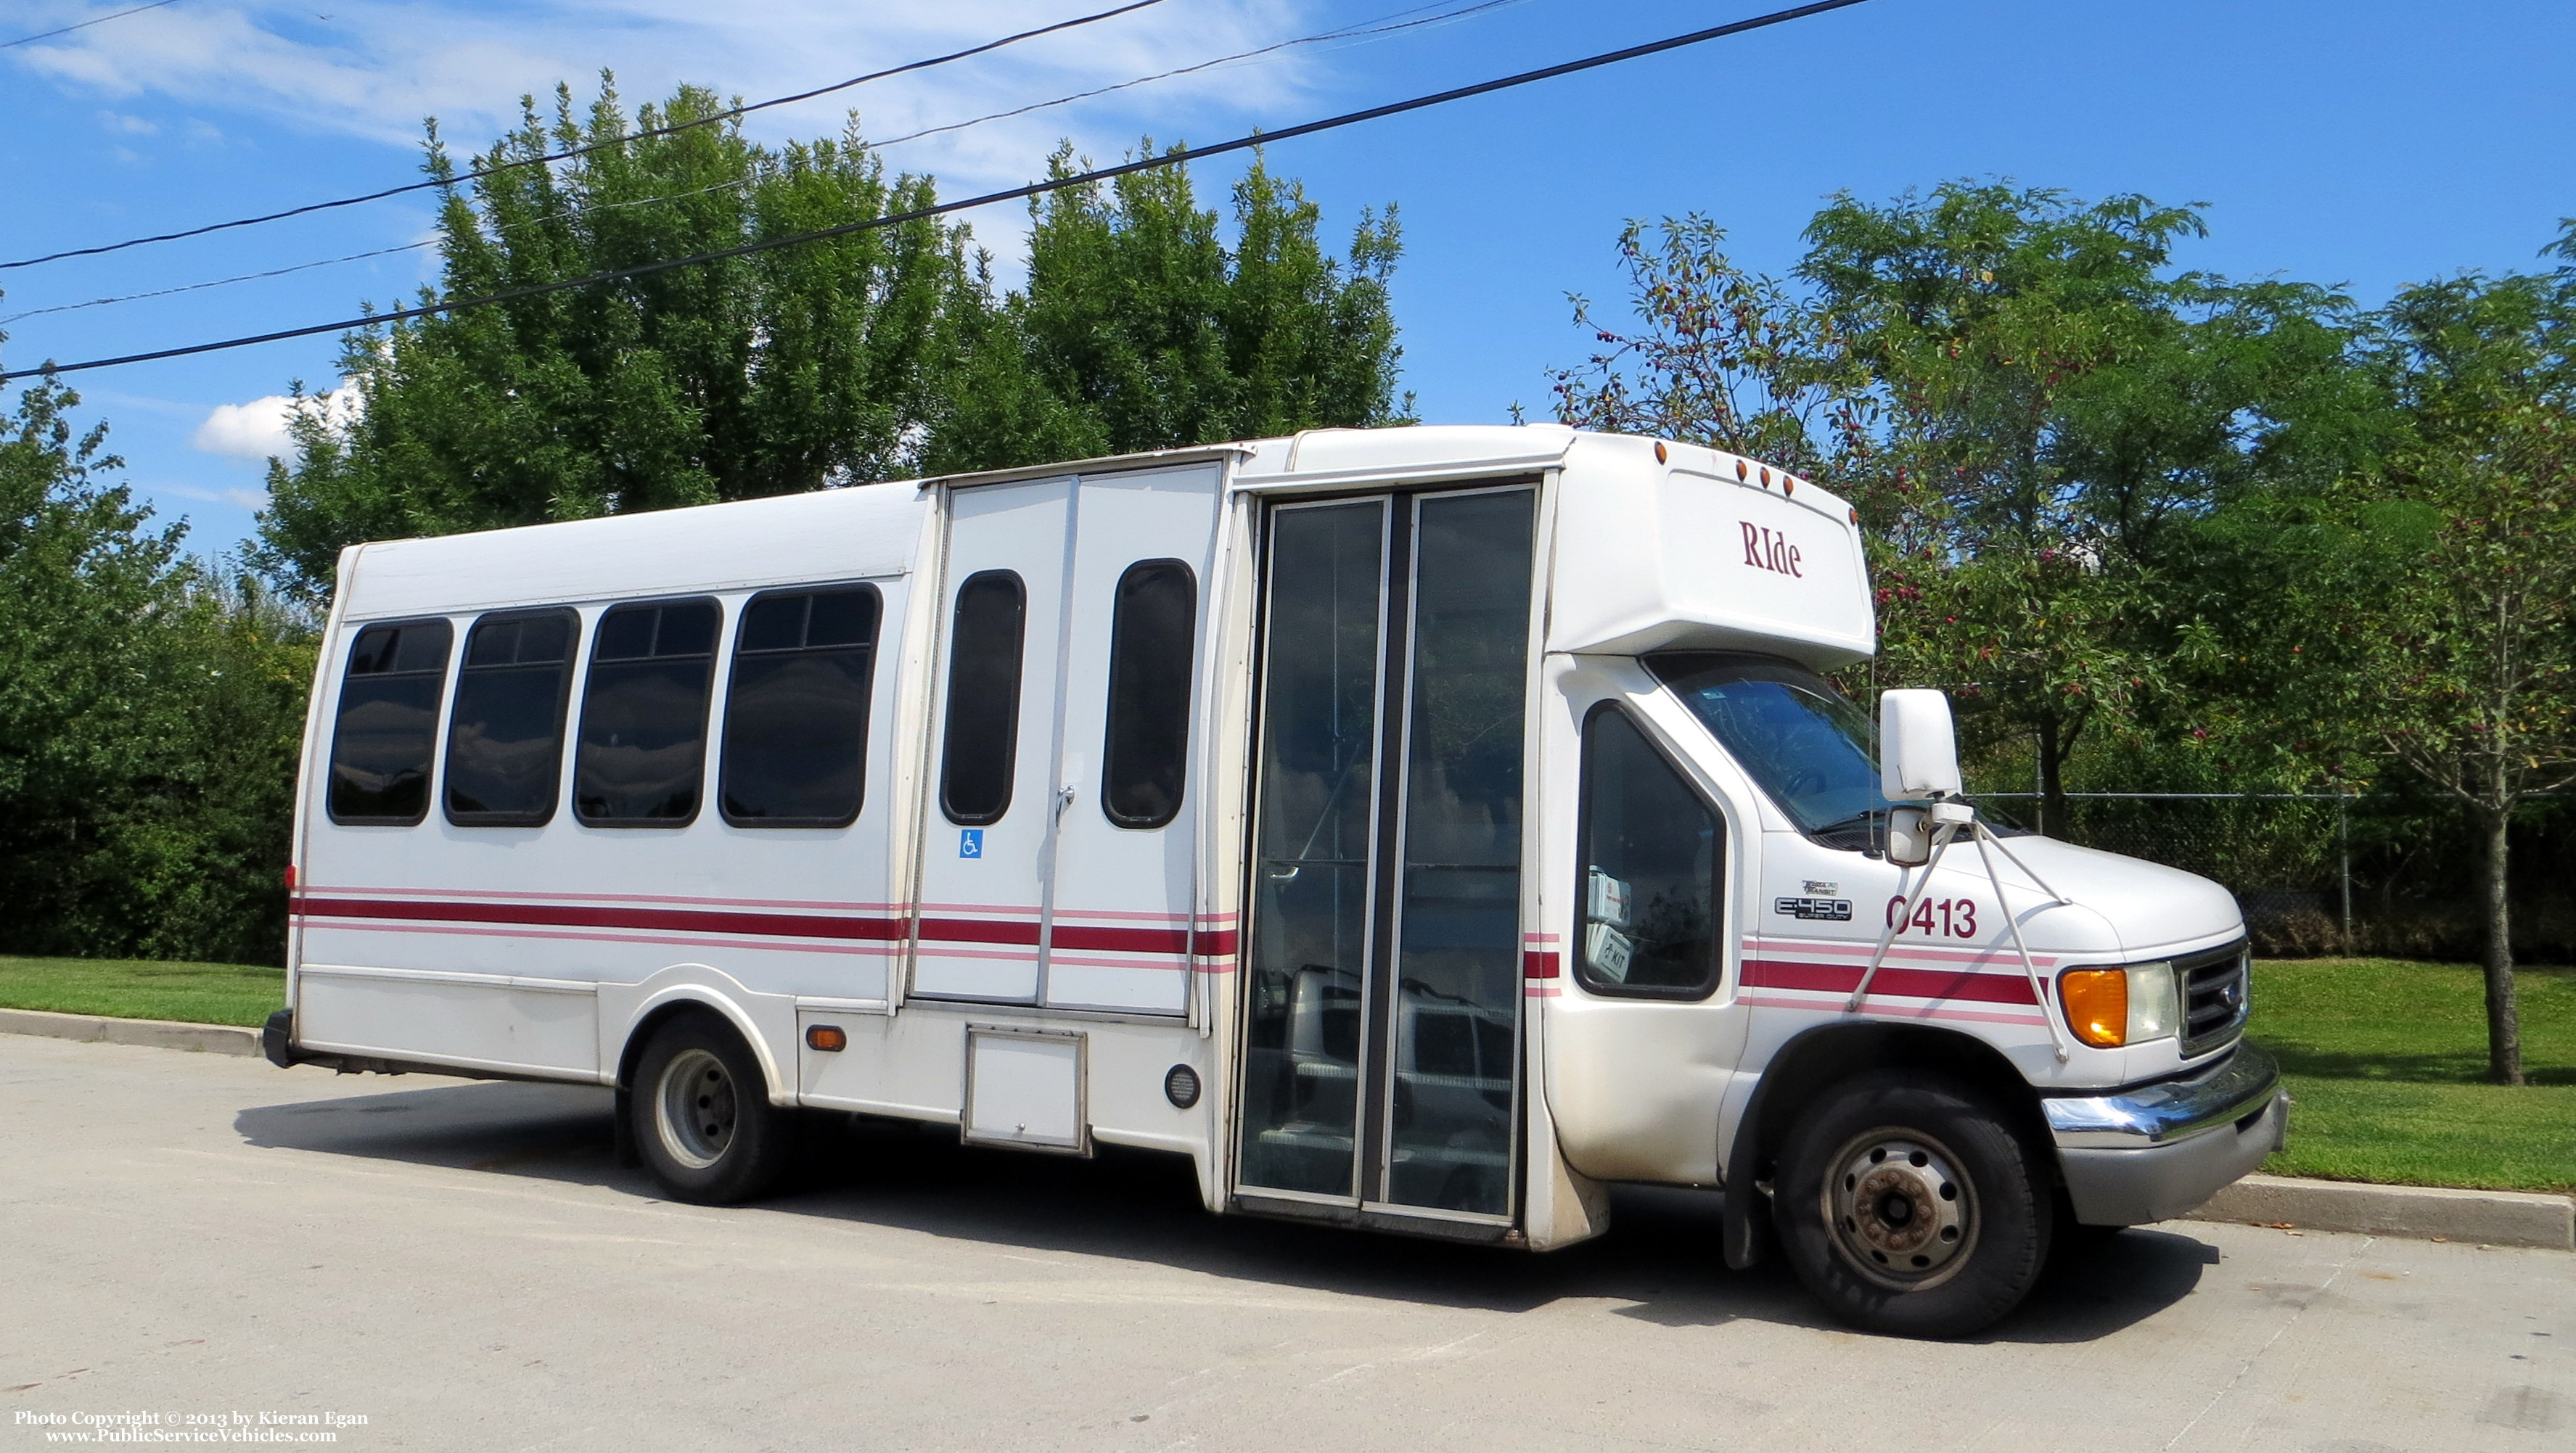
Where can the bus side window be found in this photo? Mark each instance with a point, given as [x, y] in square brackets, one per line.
[505, 737]
[642, 758]
[1152, 626]
[796, 711]
[1652, 853]
[983, 729]
[388, 723]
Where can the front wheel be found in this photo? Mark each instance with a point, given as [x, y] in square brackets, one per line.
[702, 1116]
[1908, 1205]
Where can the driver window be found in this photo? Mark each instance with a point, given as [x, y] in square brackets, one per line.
[1651, 852]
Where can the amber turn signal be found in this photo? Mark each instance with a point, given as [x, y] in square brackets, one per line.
[827, 1037]
[2097, 1005]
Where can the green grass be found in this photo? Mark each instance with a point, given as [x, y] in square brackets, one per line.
[2386, 1062]
[138, 989]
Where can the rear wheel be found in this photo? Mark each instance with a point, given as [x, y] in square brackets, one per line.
[1908, 1205]
[702, 1116]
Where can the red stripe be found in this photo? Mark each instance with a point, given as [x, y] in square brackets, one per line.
[1894, 982]
[1537, 965]
[1121, 940]
[1214, 944]
[767, 925]
[978, 930]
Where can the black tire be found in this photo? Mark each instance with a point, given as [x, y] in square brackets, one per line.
[701, 1116]
[1907, 1204]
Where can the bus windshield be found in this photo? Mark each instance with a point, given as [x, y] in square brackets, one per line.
[1802, 741]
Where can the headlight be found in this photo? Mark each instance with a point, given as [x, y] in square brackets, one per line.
[2108, 1008]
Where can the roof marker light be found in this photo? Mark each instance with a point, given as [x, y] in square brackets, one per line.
[1739, 471]
[1788, 485]
[1659, 451]
[1766, 476]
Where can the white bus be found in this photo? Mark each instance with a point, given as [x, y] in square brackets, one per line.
[1419, 829]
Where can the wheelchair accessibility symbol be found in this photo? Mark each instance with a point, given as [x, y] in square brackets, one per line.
[970, 842]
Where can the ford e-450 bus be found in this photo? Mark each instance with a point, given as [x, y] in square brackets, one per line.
[1420, 829]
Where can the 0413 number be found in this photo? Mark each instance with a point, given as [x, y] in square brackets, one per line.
[1939, 918]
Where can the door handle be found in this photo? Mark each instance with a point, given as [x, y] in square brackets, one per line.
[1063, 799]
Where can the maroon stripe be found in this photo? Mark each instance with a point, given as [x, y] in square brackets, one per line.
[1538, 965]
[1122, 940]
[979, 930]
[549, 915]
[1894, 982]
[768, 925]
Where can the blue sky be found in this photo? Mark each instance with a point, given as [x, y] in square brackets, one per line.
[2358, 143]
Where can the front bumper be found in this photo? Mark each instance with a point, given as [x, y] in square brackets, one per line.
[2160, 1150]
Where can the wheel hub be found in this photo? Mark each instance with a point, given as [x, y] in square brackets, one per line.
[696, 1108]
[1900, 1213]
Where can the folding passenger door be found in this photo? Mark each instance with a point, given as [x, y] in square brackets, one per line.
[1383, 956]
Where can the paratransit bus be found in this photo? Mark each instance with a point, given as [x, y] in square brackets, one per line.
[1421, 829]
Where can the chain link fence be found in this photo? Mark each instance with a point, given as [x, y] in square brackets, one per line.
[2331, 873]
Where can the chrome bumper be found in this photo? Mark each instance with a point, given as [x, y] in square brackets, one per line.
[2162, 1149]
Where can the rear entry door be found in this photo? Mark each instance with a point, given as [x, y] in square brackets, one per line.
[1059, 865]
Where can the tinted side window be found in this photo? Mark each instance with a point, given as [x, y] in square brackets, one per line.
[796, 713]
[983, 728]
[642, 760]
[505, 737]
[388, 723]
[1651, 852]
[1150, 634]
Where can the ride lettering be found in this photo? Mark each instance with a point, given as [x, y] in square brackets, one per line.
[1766, 549]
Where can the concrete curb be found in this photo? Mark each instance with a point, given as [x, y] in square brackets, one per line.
[2490, 1218]
[156, 1033]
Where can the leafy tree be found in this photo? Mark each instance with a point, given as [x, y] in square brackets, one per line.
[1721, 357]
[2466, 646]
[2028, 403]
[863, 357]
[1140, 329]
[785, 370]
[149, 718]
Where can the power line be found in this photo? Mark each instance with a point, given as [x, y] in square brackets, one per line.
[221, 282]
[1175, 157]
[1366, 30]
[84, 25]
[478, 173]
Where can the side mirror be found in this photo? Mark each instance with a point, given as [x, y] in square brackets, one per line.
[1918, 747]
[1909, 835]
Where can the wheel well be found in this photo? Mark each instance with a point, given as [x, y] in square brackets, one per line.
[1813, 1062]
[651, 1024]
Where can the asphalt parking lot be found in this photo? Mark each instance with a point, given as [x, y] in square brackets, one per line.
[464, 1266]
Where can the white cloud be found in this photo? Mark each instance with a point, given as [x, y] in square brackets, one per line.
[377, 71]
[126, 125]
[257, 430]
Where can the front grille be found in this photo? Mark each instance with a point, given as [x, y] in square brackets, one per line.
[2217, 994]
